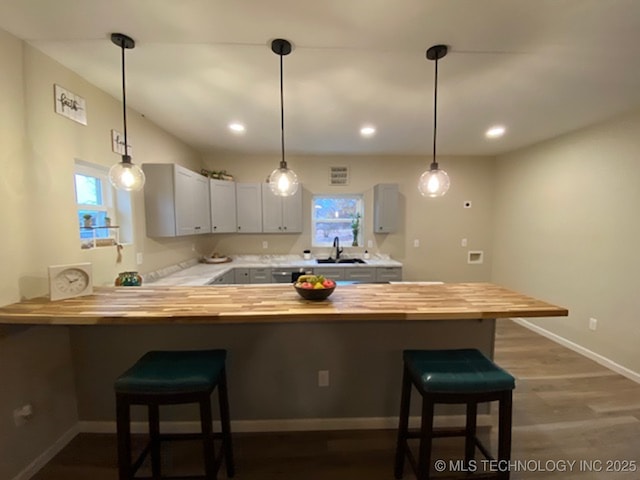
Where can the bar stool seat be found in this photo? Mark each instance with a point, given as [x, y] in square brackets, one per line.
[169, 378]
[462, 376]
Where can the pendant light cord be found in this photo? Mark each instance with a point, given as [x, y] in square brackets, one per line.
[283, 163]
[125, 157]
[434, 164]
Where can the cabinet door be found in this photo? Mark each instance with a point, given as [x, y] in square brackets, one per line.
[249, 207]
[385, 207]
[223, 206]
[184, 202]
[271, 211]
[225, 279]
[292, 212]
[260, 275]
[241, 275]
[201, 203]
[334, 273]
[361, 274]
[388, 274]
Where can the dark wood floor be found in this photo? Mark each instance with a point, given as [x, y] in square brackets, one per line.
[566, 408]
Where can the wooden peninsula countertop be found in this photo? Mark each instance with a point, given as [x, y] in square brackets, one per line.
[278, 304]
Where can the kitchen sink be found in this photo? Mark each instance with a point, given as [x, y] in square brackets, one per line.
[340, 260]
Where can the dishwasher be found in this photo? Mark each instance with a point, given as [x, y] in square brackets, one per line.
[288, 275]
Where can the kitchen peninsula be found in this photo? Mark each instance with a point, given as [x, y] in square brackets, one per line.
[277, 342]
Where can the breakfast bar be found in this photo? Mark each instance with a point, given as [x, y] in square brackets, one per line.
[277, 342]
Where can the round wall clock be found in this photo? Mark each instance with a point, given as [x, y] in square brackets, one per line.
[68, 281]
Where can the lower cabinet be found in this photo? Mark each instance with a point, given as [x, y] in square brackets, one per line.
[334, 273]
[226, 279]
[260, 275]
[388, 274]
[359, 274]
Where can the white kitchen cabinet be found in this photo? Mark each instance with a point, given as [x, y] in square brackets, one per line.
[385, 207]
[360, 274]
[260, 275]
[223, 206]
[249, 207]
[334, 273]
[281, 214]
[176, 201]
[388, 274]
[227, 278]
[241, 276]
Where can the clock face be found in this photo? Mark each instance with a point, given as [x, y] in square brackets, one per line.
[67, 281]
[72, 281]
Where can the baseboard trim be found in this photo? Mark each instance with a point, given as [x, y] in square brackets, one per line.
[287, 425]
[46, 456]
[596, 357]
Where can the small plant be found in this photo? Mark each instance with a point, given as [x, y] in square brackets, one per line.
[88, 219]
[107, 221]
[355, 228]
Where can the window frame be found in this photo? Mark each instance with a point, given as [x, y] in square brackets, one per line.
[359, 198]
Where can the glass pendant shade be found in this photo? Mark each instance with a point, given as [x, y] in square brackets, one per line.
[126, 176]
[434, 183]
[283, 182]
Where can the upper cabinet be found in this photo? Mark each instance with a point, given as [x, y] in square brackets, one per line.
[281, 214]
[385, 207]
[223, 206]
[176, 201]
[249, 207]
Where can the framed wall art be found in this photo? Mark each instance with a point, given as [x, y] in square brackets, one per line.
[70, 105]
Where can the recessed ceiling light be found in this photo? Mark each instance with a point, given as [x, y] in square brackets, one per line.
[495, 132]
[368, 131]
[237, 127]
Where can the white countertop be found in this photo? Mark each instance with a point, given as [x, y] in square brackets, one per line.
[190, 274]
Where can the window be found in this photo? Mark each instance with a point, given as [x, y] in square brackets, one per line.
[337, 216]
[95, 206]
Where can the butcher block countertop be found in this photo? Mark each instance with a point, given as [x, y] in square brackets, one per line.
[278, 303]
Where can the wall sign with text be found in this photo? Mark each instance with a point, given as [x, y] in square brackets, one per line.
[70, 105]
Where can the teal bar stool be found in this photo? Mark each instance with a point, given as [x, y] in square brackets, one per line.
[454, 377]
[171, 378]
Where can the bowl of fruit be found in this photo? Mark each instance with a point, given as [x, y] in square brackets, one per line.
[314, 287]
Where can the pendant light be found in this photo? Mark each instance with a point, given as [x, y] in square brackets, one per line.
[283, 181]
[435, 181]
[125, 175]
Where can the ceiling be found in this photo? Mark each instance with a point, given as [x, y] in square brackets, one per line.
[541, 68]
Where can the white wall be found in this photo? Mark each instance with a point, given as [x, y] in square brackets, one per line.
[567, 229]
[439, 224]
[39, 228]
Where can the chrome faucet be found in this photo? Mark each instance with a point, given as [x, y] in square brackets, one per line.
[336, 245]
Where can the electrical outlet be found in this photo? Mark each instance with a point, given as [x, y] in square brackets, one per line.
[139, 258]
[463, 243]
[416, 243]
[323, 378]
[265, 244]
[23, 414]
[593, 323]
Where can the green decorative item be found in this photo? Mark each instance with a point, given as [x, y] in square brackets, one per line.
[88, 220]
[128, 279]
[355, 228]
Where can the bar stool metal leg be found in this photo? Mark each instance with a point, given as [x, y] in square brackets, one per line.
[123, 417]
[504, 429]
[208, 448]
[426, 439]
[470, 433]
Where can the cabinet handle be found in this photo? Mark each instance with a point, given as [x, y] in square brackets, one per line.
[214, 227]
[285, 228]
[279, 228]
[380, 228]
[198, 228]
[239, 227]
